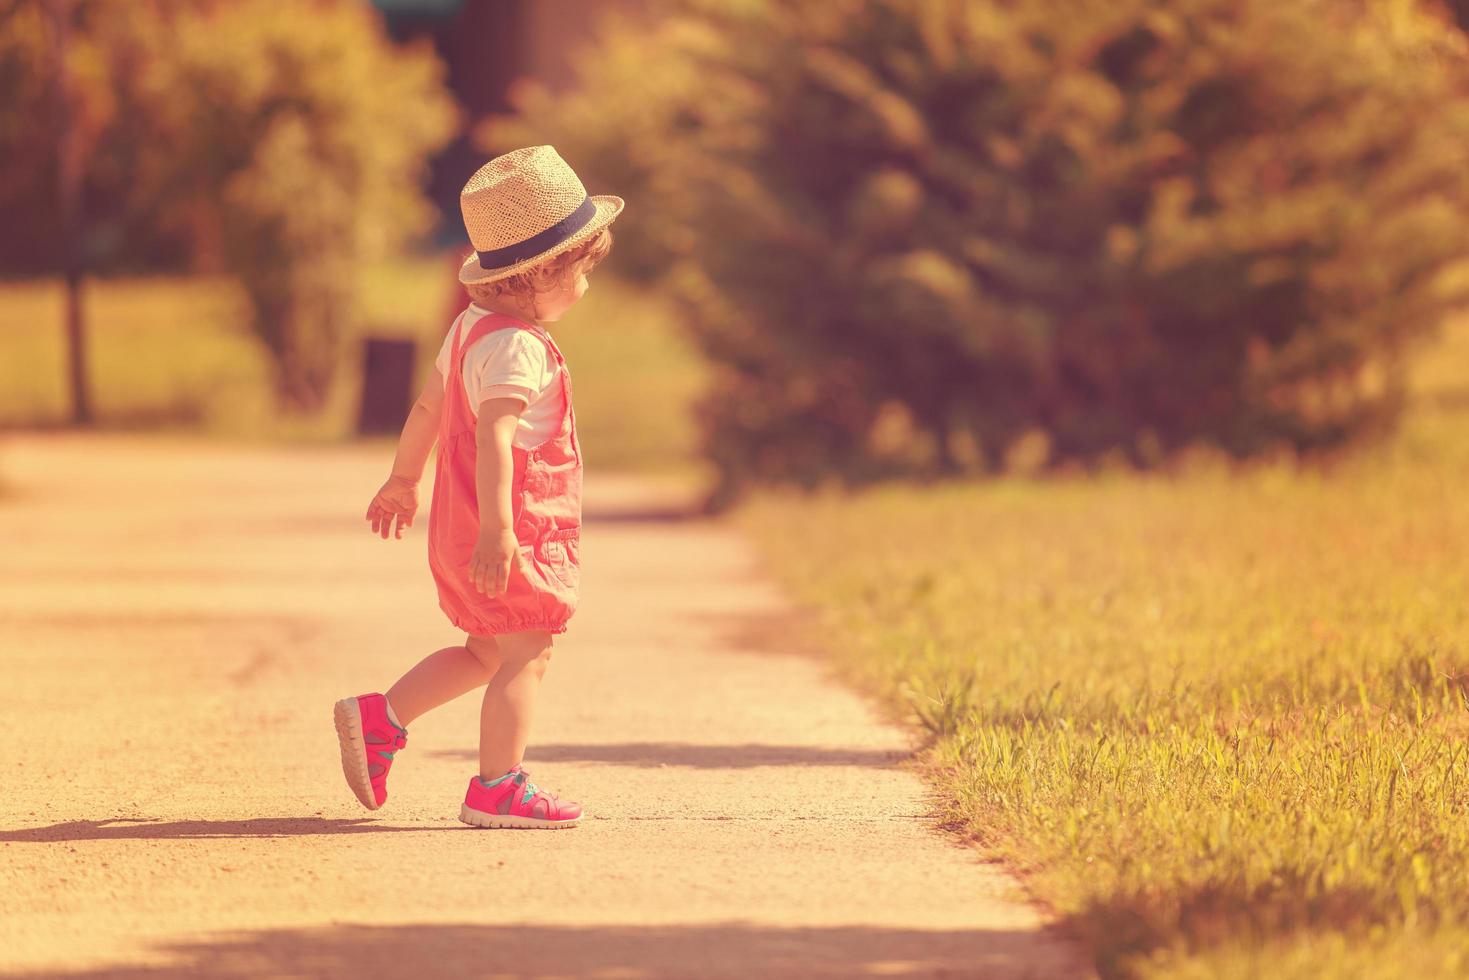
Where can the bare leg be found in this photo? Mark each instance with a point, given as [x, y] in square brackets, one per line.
[510, 698]
[441, 677]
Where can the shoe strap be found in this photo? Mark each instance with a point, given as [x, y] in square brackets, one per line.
[376, 741]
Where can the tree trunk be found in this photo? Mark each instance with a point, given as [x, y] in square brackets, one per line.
[69, 174]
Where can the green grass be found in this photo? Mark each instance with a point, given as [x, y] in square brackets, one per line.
[1216, 720]
[174, 355]
[162, 353]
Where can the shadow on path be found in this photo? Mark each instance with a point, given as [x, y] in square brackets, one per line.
[123, 829]
[655, 754]
[732, 949]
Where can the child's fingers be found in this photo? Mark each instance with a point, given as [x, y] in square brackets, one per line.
[502, 576]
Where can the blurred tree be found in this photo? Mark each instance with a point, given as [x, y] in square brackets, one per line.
[914, 233]
[282, 142]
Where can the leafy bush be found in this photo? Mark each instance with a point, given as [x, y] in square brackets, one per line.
[921, 235]
[282, 142]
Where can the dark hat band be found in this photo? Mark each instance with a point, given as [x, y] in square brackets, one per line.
[574, 222]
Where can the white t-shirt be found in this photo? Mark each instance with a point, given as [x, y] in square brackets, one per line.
[510, 363]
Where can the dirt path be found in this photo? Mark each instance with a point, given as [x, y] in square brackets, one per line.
[176, 620]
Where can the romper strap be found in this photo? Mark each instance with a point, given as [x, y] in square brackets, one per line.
[509, 322]
[484, 325]
[551, 346]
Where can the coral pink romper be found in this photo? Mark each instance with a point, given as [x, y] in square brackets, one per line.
[545, 503]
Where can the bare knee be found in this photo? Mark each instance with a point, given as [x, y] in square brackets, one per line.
[539, 661]
[528, 651]
[485, 649]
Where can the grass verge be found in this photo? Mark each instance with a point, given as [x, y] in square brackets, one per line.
[1216, 720]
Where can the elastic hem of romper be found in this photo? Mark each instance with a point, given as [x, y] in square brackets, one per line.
[514, 626]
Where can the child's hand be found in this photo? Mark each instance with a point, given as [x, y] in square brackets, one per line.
[398, 499]
[489, 564]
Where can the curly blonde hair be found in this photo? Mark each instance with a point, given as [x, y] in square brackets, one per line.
[545, 276]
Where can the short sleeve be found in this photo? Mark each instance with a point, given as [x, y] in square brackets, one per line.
[442, 361]
[505, 362]
[507, 391]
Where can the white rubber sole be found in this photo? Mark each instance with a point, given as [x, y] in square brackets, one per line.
[354, 750]
[476, 818]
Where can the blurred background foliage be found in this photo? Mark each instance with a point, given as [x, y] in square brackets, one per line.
[867, 239]
[257, 190]
[284, 143]
[946, 236]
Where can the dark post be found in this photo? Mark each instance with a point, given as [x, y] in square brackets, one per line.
[387, 385]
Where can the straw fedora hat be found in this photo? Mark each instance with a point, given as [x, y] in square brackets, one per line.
[524, 207]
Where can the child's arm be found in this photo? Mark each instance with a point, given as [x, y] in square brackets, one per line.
[398, 498]
[420, 431]
[497, 547]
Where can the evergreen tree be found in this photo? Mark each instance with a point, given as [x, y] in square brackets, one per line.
[910, 233]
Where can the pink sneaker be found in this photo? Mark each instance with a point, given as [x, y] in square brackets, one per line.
[513, 801]
[369, 741]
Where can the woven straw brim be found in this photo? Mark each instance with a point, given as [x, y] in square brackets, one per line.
[608, 206]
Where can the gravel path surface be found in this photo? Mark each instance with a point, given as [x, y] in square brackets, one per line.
[176, 620]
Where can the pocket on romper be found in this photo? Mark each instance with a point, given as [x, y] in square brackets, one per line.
[561, 556]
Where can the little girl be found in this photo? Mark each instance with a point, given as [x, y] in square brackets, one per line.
[505, 522]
